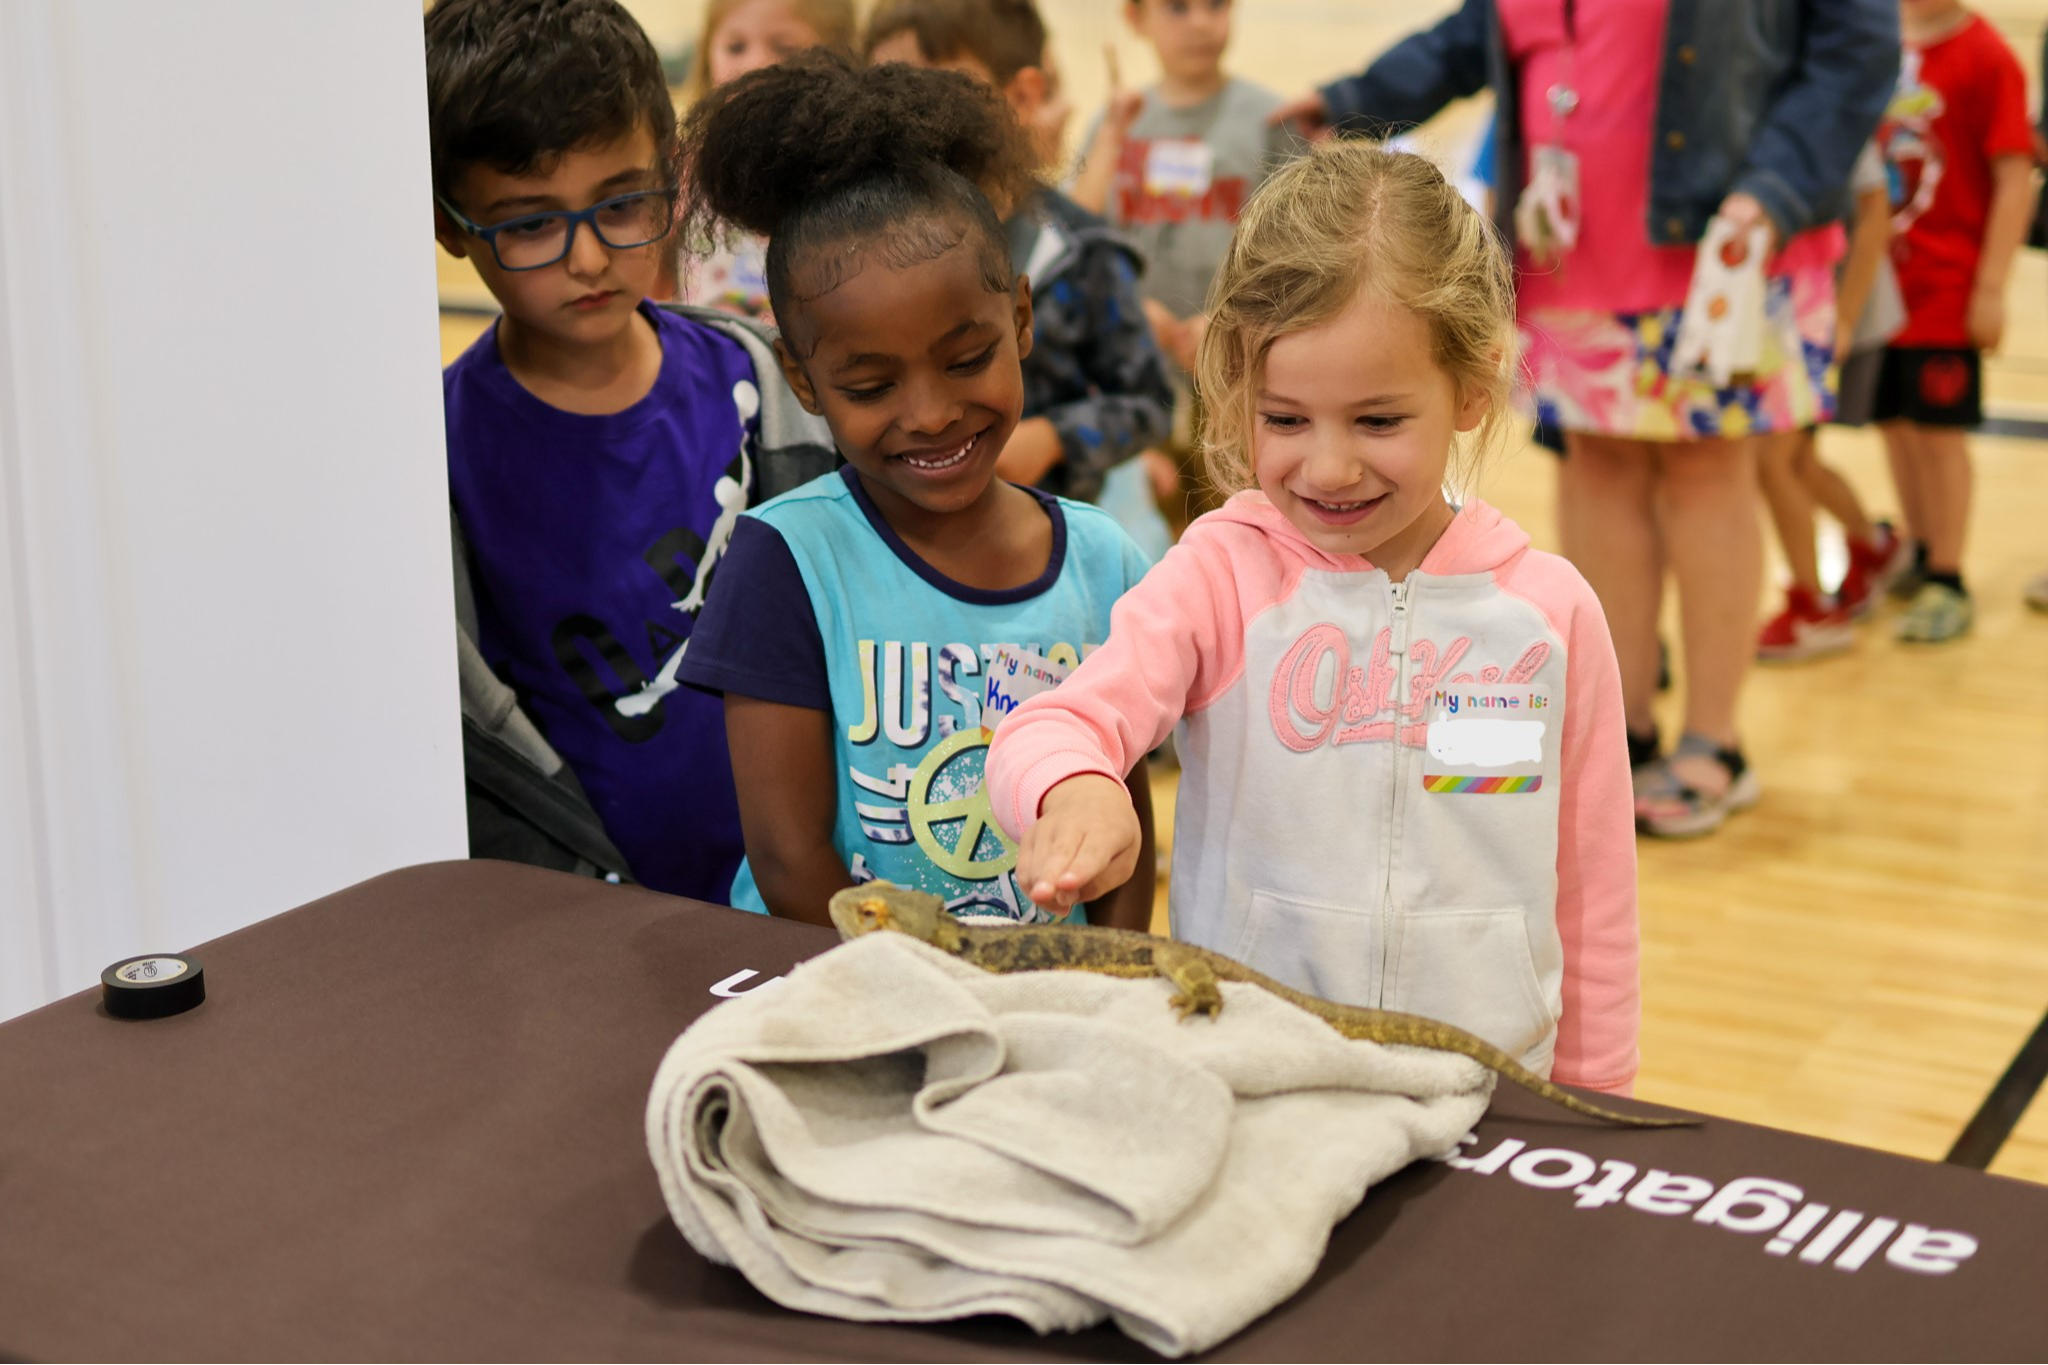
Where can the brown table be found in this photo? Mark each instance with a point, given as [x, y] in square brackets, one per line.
[406, 1124]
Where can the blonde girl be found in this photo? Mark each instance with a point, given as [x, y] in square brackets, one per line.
[1405, 781]
[740, 36]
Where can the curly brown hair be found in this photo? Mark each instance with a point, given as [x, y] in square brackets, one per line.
[819, 152]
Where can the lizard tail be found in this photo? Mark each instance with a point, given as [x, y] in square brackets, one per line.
[1415, 1031]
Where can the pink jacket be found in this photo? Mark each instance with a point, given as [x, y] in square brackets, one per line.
[1410, 796]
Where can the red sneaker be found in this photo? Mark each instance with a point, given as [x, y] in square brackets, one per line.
[1807, 628]
[1872, 570]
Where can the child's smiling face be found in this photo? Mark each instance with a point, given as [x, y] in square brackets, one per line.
[916, 371]
[590, 295]
[1353, 432]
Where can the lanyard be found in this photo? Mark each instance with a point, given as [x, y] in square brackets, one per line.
[1563, 96]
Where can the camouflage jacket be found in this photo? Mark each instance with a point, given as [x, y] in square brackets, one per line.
[1094, 370]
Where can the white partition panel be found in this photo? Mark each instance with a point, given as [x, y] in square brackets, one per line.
[227, 676]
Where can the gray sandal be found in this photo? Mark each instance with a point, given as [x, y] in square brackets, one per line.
[1700, 812]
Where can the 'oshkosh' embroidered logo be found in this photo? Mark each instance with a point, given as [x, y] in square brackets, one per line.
[1361, 699]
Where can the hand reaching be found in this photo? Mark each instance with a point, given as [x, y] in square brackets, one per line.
[1124, 105]
[1103, 157]
[1084, 845]
[1308, 114]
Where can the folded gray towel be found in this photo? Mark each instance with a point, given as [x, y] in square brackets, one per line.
[893, 1134]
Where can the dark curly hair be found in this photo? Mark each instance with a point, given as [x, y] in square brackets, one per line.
[511, 83]
[819, 151]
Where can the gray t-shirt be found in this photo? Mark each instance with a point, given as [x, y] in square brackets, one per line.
[1184, 176]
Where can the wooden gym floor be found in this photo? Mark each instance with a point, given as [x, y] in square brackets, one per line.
[1863, 955]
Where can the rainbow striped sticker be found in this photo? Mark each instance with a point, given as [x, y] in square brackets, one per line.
[1481, 786]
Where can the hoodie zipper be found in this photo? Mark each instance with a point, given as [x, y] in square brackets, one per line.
[1397, 646]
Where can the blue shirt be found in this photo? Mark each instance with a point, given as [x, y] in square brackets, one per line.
[827, 608]
[593, 540]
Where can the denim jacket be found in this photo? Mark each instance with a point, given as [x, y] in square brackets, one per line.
[1772, 97]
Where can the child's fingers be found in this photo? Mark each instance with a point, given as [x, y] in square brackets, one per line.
[1052, 865]
[1111, 860]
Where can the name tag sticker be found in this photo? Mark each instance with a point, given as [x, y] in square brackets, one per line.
[1486, 739]
[1547, 213]
[1486, 743]
[1179, 167]
[1016, 676]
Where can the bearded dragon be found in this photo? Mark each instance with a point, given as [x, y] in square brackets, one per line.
[1197, 973]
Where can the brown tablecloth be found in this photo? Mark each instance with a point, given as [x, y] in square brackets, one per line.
[406, 1124]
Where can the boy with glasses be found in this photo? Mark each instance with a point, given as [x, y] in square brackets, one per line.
[599, 449]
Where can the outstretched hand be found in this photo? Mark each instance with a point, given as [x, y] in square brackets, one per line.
[1307, 114]
[1084, 845]
[1124, 106]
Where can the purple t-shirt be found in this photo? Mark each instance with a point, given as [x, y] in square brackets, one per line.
[592, 541]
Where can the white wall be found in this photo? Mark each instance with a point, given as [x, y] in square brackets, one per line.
[227, 666]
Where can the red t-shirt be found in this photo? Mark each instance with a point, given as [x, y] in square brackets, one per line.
[1960, 103]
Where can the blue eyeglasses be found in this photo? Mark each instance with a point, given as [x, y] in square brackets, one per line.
[541, 239]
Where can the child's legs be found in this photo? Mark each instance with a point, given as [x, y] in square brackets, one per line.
[1608, 525]
[1943, 456]
[1706, 495]
[1829, 489]
[1782, 455]
[1900, 441]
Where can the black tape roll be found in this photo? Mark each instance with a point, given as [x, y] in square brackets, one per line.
[153, 985]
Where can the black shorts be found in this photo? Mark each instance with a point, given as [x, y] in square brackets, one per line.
[1856, 387]
[1933, 386]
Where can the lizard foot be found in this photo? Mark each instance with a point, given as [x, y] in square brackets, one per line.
[1199, 992]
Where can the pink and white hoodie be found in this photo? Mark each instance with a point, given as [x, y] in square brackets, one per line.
[1409, 796]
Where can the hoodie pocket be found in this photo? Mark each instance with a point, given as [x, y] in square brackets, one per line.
[1322, 947]
[1472, 968]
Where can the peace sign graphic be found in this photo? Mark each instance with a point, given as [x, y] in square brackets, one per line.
[960, 754]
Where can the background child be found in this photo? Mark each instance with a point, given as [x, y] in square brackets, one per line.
[1096, 392]
[1869, 313]
[1427, 806]
[1171, 167]
[741, 36]
[1960, 150]
[598, 448]
[852, 650]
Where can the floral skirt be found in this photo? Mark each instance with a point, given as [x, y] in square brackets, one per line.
[1610, 373]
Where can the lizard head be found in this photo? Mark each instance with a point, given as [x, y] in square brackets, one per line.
[863, 909]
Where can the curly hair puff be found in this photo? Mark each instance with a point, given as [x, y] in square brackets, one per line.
[818, 151]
